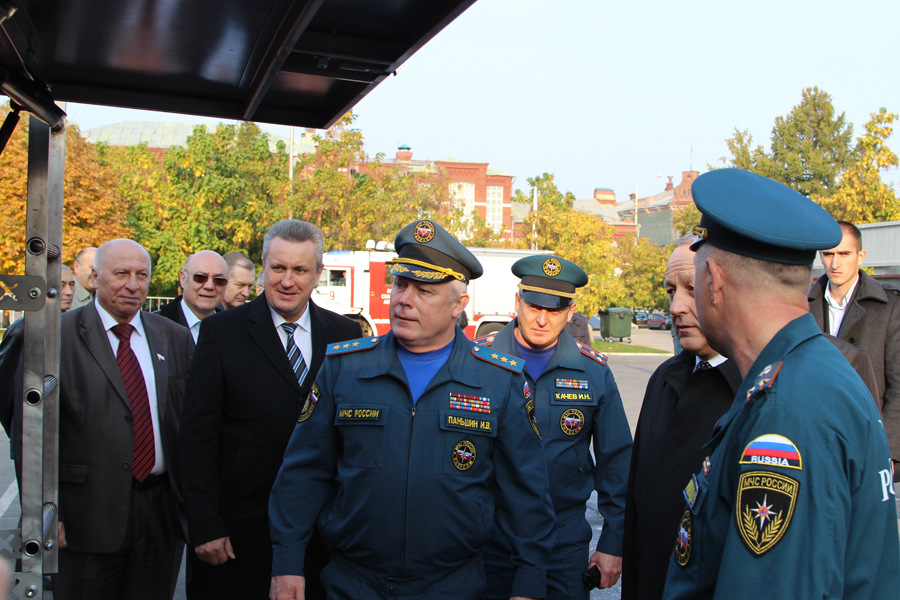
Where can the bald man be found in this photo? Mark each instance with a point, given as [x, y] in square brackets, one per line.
[121, 387]
[203, 279]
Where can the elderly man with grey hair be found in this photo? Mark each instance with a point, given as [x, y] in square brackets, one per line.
[254, 366]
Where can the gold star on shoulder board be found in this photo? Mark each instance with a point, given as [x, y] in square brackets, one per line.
[495, 356]
[346, 345]
[338, 347]
[356, 343]
[512, 363]
[504, 359]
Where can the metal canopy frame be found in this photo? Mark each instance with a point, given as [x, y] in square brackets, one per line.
[289, 62]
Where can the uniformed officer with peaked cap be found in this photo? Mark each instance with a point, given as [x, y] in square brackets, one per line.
[411, 446]
[795, 499]
[573, 401]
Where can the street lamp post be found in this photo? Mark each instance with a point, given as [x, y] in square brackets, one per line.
[637, 227]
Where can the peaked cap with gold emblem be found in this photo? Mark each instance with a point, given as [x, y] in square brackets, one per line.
[548, 281]
[427, 252]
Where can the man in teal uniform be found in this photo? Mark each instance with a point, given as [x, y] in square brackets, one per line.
[795, 499]
[573, 401]
[410, 446]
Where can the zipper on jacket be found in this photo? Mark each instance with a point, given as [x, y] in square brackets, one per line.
[412, 422]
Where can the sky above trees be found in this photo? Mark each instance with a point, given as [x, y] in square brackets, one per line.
[605, 94]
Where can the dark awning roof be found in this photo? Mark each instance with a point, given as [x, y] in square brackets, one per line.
[286, 62]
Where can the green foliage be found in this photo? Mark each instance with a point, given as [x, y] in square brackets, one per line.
[643, 272]
[685, 219]
[810, 147]
[862, 196]
[548, 194]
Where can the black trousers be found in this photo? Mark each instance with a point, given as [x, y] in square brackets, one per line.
[141, 569]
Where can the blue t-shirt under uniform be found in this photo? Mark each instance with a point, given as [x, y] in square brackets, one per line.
[421, 367]
[535, 360]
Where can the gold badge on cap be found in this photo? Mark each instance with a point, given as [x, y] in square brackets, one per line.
[424, 232]
[552, 267]
[463, 455]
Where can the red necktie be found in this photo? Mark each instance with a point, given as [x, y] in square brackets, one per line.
[144, 446]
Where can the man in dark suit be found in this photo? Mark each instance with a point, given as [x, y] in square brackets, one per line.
[685, 397]
[121, 388]
[243, 399]
[851, 305]
[203, 279]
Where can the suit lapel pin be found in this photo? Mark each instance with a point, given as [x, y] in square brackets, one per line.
[161, 357]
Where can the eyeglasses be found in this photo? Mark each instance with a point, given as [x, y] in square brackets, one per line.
[202, 278]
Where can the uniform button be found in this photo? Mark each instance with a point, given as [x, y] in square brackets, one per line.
[852, 340]
[126, 465]
[390, 590]
[128, 418]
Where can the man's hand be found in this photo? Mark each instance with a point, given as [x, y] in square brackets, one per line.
[610, 568]
[216, 552]
[61, 538]
[287, 587]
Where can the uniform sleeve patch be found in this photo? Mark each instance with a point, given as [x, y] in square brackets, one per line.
[764, 507]
[351, 346]
[591, 353]
[485, 340]
[774, 450]
[764, 382]
[495, 357]
[310, 404]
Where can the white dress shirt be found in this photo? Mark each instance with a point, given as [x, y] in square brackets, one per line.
[302, 334]
[141, 350]
[714, 362]
[193, 320]
[836, 309]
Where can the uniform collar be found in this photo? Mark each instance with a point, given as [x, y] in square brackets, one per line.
[567, 354]
[383, 360]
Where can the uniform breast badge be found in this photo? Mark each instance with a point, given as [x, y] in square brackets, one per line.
[463, 455]
[575, 384]
[571, 421]
[472, 403]
[764, 507]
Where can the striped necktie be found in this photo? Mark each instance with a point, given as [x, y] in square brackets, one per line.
[703, 366]
[144, 449]
[294, 355]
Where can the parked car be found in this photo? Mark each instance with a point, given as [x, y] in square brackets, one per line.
[659, 321]
[640, 318]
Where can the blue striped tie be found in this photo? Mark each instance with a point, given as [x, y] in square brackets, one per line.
[294, 355]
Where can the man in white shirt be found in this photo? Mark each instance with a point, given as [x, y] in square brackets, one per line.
[203, 279]
[121, 378]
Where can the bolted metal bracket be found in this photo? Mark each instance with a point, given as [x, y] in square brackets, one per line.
[22, 292]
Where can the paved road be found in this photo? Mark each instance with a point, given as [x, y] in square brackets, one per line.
[631, 372]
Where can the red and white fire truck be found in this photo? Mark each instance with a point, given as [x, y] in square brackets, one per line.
[358, 285]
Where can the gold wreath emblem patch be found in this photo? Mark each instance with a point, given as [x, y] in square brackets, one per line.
[310, 405]
[463, 455]
[764, 507]
[552, 267]
[532, 417]
[424, 232]
[683, 543]
[571, 421]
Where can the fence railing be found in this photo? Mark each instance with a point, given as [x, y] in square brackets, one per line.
[153, 303]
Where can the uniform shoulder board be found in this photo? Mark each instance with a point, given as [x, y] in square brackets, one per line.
[336, 348]
[495, 357]
[591, 353]
[764, 382]
[485, 340]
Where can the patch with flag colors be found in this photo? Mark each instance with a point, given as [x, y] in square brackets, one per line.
[772, 449]
[575, 384]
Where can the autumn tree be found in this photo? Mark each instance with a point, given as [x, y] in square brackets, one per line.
[862, 197]
[221, 192]
[643, 272]
[92, 211]
[810, 147]
[353, 199]
[685, 219]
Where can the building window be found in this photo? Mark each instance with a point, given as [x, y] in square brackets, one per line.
[463, 195]
[495, 207]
